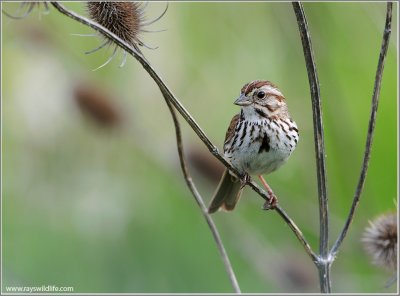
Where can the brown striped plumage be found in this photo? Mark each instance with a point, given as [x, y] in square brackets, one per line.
[258, 141]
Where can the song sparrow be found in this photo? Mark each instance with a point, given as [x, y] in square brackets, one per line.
[258, 141]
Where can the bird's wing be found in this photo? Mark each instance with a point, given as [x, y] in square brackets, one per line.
[231, 129]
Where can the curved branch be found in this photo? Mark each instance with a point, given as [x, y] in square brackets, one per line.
[168, 95]
[281, 212]
[371, 128]
[317, 120]
[319, 147]
[200, 201]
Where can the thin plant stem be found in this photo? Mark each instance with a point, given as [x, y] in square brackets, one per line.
[281, 212]
[200, 201]
[325, 260]
[371, 128]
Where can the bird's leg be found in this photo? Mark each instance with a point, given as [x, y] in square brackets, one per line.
[273, 200]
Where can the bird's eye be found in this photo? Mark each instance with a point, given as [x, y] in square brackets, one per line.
[260, 94]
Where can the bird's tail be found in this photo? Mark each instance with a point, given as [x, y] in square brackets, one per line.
[227, 194]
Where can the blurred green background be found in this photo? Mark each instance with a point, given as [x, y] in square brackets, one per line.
[100, 204]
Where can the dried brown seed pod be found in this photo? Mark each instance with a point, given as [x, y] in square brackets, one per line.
[124, 19]
[28, 6]
[97, 105]
[380, 240]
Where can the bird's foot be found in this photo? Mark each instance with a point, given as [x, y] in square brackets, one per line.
[244, 178]
[271, 203]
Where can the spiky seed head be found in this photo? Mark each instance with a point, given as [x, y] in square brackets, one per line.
[380, 240]
[124, 19]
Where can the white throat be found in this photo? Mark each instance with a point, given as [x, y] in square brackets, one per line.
[250, 114]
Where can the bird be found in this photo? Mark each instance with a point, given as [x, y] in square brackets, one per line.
[259, 140]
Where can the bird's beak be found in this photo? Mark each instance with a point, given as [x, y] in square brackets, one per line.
[242, 101]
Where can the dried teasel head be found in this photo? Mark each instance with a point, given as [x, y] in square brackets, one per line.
[380, 240]
[124, 19]
[26, 7]
[97, 105]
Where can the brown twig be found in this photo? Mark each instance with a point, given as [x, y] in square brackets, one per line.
[324, 260]
[371, 129]
[200, 201]
[281, 212]
[168, 95]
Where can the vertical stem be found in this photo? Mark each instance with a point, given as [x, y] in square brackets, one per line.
[324, 277]
[324, 262]
[371, 128]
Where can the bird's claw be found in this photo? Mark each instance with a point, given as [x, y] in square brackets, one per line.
[271, 203]
[244, 179]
